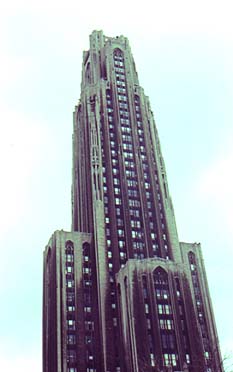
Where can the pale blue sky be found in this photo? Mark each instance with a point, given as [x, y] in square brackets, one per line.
[184, 56]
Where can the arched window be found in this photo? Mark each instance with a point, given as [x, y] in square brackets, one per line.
[48, 255]
[144, 287]
[192, 261]
[88, 74]
[86, 249]
[160, 277]
[136, 99]
[69, 247]
[192, 258]
[118, 54]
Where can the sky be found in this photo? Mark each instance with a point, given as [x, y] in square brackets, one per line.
[184, 56]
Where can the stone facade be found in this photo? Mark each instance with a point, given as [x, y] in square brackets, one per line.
[121, 294]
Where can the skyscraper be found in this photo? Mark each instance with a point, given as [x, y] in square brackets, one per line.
[121, 293]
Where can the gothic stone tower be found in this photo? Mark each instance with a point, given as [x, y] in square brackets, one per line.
[121, 293]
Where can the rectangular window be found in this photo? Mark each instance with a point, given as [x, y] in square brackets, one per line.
[71, 324]
[148, 323]
[170, 359]
[162, 323]
[71, 356]
[164, 309]
[153, 235]
[87, 270]
[160, 309]
[70, 283]
[165, 294]
[116, 190]
[89, 326]
[87, 283]
[121, 244]
[118, 201]
[119, 222]
[122, 255]
[170, 324]
[87, 309]
[87, 298]
[70, 309]
[71, 339]
[152, 358]
[69, 258]
[120, 232]
[174, 359]
[70, 297]
[118, 211]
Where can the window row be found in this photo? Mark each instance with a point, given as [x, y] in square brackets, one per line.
[134, 203]
[138, 246]
[124, 114]
[130, 173]
[170, 359]
[120, 80]
[133, 193]
[118, 62]
[164, 309]
[167, 324]
[126, 138]
[127, 146]
[123, 105]
[168, 341]
[122, 97]
[119, 69]
[128, 155]
[139, 256]
[124, 121]
[129, 164]
[125, 129]
[137, 234]
[135, 223]
[162, 294]
[118, 55]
